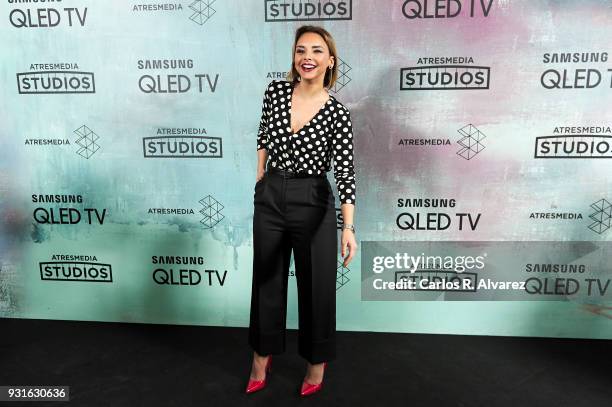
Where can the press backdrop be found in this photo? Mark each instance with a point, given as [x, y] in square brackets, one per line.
[481, 127]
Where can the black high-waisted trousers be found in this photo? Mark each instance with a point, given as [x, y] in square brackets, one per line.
[294, 214]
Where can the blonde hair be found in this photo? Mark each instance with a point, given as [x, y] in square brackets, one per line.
[331, 75]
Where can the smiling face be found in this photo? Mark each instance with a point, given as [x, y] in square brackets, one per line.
[312, 58]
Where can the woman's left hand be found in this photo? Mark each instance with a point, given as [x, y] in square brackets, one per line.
[348, 244]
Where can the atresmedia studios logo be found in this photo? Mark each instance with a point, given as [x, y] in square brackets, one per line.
[60, 78]
[445, 73]
[575, 142]
[308, 10]
[75, 268]
[191, 143]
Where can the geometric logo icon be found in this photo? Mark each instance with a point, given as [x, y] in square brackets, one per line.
[343, 78]
[470, 141]
[341, 278]
[602, 216]
[87, 141]
[211, 211]
[202, 11]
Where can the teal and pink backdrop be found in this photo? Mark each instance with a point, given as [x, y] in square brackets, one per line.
[128, 151]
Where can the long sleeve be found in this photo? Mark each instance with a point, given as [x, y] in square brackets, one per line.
[342, 150]
[262, 134]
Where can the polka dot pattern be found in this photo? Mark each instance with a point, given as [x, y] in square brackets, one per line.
[329, 134]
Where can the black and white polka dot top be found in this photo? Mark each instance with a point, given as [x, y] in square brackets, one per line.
[329, 133]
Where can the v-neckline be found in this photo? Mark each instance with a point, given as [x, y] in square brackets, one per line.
[292, 87]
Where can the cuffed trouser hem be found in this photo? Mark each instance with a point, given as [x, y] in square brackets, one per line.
[317, 352]
[271, 344]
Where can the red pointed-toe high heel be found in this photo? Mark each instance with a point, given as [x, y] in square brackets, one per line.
[255, 385]
[308, 389]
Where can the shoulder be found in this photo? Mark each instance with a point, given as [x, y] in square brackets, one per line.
[341, 117]
[278, 84]
[342, 112]
[276, 87]
[339, 106]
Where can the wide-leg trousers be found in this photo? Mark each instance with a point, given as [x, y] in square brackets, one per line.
[294, 214]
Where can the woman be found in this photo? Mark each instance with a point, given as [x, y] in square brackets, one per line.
[302, 128]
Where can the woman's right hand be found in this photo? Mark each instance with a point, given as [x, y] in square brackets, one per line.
[260, 174]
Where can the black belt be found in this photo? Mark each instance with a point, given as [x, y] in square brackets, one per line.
[292, 174]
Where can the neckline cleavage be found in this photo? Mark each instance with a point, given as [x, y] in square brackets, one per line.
[291, 87]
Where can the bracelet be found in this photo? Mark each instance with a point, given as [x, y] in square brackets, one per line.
[349, 226]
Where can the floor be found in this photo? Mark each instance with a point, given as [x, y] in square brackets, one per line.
[120, 364]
